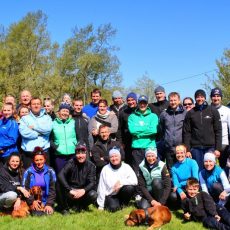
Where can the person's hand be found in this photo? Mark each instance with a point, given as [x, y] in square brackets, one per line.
[36, 205]
[117, 186]
[189, 155]
[187, 216]
[17, 204]
[183, 196]
[94, 132]
[174, 189]
[77, 193]
[217, 217]
[31, 126]
[23, 191]
[217, 153]
[155, 203]
[48, 209]
[223, 195]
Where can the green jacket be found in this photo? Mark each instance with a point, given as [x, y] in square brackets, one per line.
[64, 136]
[143, 128]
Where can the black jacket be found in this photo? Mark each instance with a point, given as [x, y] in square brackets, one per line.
[200, 206]
[9, 180]
[158, 107]
[202, 127]
[77, 175]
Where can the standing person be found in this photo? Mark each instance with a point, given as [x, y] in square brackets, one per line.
[153, 180]
[123, 134]
[63, 137]
[142, 125]
[40, 174]
[35, 129]
[105, 117]
[91, 109]
[22, 111]
[8, 133]
[117, 183]
[118, 103]
[49, 107]
[200, 207]
[188, 103]
[171, 125]
[77, 182]
[81, 122]
[25, 97]
[202, 131]
[216, 97]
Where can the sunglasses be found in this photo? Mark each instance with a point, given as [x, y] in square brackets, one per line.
[187, 104]
[46, 98]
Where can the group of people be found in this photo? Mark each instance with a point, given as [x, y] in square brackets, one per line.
[161, 153]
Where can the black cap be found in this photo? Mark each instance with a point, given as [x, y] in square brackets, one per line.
[200, 92]
[81, 146]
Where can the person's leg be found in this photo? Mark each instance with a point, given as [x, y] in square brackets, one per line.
[7, 199]
[160, 150]
[170, 158]
[224, 156]
[198, 156]
[138, 156]
[211, 222]
[112, 203]
[143, 204]
[26, 159]
[224, 214]
[216, 190]
[157, 189]
[174, 201]
[61, 198]
[126, 193]
[89, 198]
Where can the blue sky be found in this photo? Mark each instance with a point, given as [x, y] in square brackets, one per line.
[168, 40]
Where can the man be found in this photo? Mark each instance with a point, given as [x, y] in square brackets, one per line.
[77, 182]
[202, 131]
[35, 130]
[25, 97]
[81, 122]
[91, 109]
[216, 97]
[161, 104]
[171, 124]
[142, 126]
[100, 150]
[118, 103]
[123, 134]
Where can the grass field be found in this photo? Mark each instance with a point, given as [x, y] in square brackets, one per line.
[92, 219]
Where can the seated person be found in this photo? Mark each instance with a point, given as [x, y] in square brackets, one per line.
[100, 150]
[77, 182]
[199, 206]
[182, 170]
[116, 184]
[154, 180]
[40, 174]
[11, 190]
[214, 181]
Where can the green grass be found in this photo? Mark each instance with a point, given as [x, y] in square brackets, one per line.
[92, 219]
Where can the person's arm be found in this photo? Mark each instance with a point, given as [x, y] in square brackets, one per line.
[225, 182]
[114, 123]
[91, 177]
[217, 129]
[43, 128]
[176, 183]
[97, 158]
[166, 185]
[102, 190]
[63, 175]
[25, 131]
[195, 169]
[26, 185]
[203, 185]
[187, 131]
[52, 192]
[130, 177]
[209, 204]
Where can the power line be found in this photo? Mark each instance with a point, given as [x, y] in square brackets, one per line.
[193, 76]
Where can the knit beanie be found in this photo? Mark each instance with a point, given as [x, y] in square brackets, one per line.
[210, 156]
[132, 95]
[200, 92]
[150, 150]
[159, 89]
[216, 91]
[114, 151]
[116, 94]
[64, 106]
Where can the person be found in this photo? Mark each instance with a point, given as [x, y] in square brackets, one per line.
[100, 150]
[105, 117]
[81, 122]
[123, 134]
[142, 125]
[35, 129]
[116, 184]
[49, 107]
[40, 174]
[77, 182]
[200, 207]
[25, 97]
[214, 181]
[216, 97]
[202, 131]
[23, 110]
[91, 109]
[66, 99]
[9, 98]
[11, 191]
[8, 133]
[188, 103]
[183, 169]
[63, 137]
[118, 103]
[154, 181]
[171, 125]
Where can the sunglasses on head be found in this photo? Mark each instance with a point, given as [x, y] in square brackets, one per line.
[187, 104]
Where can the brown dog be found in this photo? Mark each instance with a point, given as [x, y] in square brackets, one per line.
[24, 209]
[154, 216]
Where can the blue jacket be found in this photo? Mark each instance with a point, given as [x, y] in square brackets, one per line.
[39, 135]
[90, 110]
[48, 196]
[8, 136]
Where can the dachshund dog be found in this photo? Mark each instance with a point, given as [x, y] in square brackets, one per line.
[155, 217]
[24, 209]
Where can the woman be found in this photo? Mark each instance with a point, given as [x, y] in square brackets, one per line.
[214, 181]
[154, 180]
[103, 117]
[11, 190]
[182, 170]
[8, 133]
[188, 103]
[116, 184]
[22, 111]
[49, 107]
[63, 137]
[39, 174]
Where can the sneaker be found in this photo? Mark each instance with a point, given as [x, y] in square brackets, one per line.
[65, 212]
[138, 198]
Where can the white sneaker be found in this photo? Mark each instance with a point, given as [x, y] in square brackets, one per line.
[138, 198]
